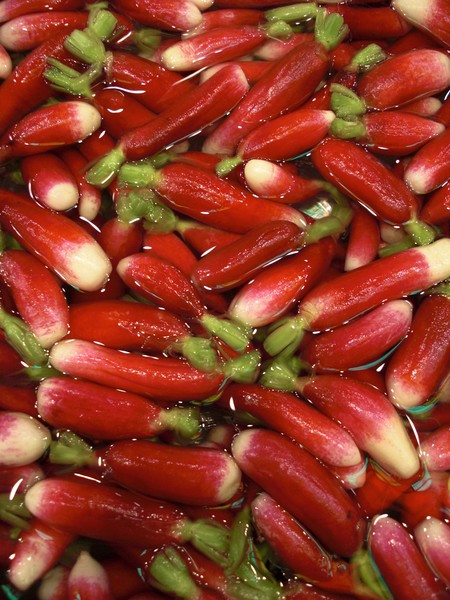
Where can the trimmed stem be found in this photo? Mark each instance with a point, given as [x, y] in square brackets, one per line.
[396, 247]
[369, 575]
[293, 12]
[101, 23]
[138, 174]
[171, 574]
[345, 103]
[422, 233]
[21, 338]
[183, 421]
[227, 165]
[200, 353]
[234, 334]
[147, 39]
[243, 369]
[133, 205]
[70, 81]
[279, 375]
[366, 59]
[239, 539]
[70, 449]
[211, 538]
[105, 170]
[330, 30]
[13, 511]
[85, 46]
[285, 336]
[347, 129]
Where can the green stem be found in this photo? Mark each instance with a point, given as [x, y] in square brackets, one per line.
[227, 164]
[239, 539]
[13, 511]
[243, 369]
[171, 575]
[139, 174]
[366, 59]
[330, 29]
[69, 81]
[183, 421]
[345, 103]
[285, 336]
[293, 12]
[38, 373]
[200, 353]
[21, 338]
[85, 46]
[347, 129]
[279, 375]
[396, 247]
[105, 170]
[70, 449]
[211, 538]
[369, 575]
[101, 23]
[147, 39]
[135, 204]
[234, 334]
[422, 233]
[278, 30]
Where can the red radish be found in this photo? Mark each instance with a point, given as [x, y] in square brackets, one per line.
[443, 114]
[204, 238]
[394, 133]
[191, 113]
[54, 584]
[154, 86]
[277, 289]
[240, 261]
[26, 88]
[363, 240]
[87, 579]
[159, 378]
[29, 31]
[38, 550]
[124, 580]
[89, 197]
[362, 176]
[405, 77]
[421, 363]
[437, 207]
[202, 195]
[273, 50]
[296, 548]
[197, 476]
[211, 47]
[400, 563]
[117, 515]
[372, 23]
[343, 399]
[362, 340]
[326, 510]
[225, 18]
[49, 181]
[103, 413]
[127, 325]
[298, 420]
[5, 63]
[333, 302]
[168, 15]
[10, 360]
[430, 166]
[252, 69]
[14, 8]
[270, 180]
[37, 295]
[433, 538]
[47, 128]
[284, 137]
[289, 83]
[165, 285]
[425, 107]
[24, 439]
[120, 111]
[430, 16]
[57, 241]
[435, 449]
[20, 479]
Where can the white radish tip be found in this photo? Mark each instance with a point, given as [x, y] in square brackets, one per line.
[89, 118]
[62, 196]
[24, 439]
[230, 482]
[240, 444]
